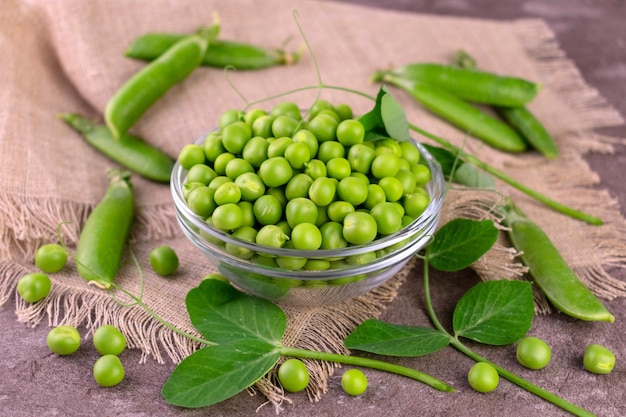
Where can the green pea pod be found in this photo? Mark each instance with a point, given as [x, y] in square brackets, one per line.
[129, 151]
[469, 84]
[531, 129]
[105, 233]
[462, 114]
[149, 84]
[519, 117]
[550, 272]
[221, 54]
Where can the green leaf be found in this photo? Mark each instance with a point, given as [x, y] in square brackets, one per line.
[215, 373]
[446, 159]
[383, 338]
[394, 118]
[223, 314]
[495, 312]
[460, 242]
[386, 120]
[474, 177]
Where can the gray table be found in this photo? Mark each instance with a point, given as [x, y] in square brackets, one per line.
[34, 382]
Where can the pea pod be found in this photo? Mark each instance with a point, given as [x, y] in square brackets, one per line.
[105, 233]
[129, 151]
[519, 117]
[462, 114]
[550, 271]
[469, 84]
[149, 84]
[221, 54]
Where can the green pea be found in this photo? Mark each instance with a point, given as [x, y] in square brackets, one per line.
[255, 151]
[359, 228]
[237, 166]
[50, 258]
[201, 200]
[410, 152]
[300, 210]
[306, 236]
[253, 114]
[190, 155]
[323, 190]
[324, 127]
[361, 157]
[250, 185]
[278, 146]
[338, 168]
[267, 209]
[408, 180]
[316, 265]
[226, 193]
[415, 204]
[598, 359]
[284, 126]
[388, 218]
[216, 182]
[329, 150]
[228, 117]
[245, 233]
[308, 138]
[271, 235]
[298, 154]
[221, 161]
[235, 136]
[298, 186]
[275, 171]
[287, 108]
[164, 261]
[262, 126]
[332, 236]
[34, 287]
[392, 188]
[338, 210]
[315, 169]
[344, 111]
[247, 214]
[375, 195]
[422, 174]
[227, 217]
[213, 146]
[201, 173]
[385, 165]
[350, 132]
[352, 190]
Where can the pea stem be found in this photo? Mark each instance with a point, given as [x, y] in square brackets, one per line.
[368, 363]
[569, 211]
[160, 319]
[511, 377]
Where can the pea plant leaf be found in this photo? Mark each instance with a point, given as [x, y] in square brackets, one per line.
[460, 242]
[386, 120]
[215, 373]
[222, 314]
[495, 312]
[383, 338]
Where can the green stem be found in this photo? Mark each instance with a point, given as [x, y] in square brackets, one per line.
[160, 319]
[576, 214]
[517, 380]
[368, 363]
[523, 383]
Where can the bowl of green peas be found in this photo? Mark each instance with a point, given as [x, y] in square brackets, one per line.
[296, 207]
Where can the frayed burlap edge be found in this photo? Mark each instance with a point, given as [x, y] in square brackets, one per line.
[32, 222]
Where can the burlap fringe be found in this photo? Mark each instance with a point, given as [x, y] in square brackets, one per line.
[29, 222]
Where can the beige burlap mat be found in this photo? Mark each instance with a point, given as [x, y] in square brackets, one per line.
[68, 56]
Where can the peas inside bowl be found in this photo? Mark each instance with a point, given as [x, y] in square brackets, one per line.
[298, 209]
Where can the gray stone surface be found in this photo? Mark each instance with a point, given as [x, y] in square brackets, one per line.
[34, 382]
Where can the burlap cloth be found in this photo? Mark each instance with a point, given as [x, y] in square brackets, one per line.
[68, 56]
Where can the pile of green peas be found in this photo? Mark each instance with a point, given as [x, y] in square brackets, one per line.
[307, 181]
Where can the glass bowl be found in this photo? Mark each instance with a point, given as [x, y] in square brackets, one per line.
[354, 269]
